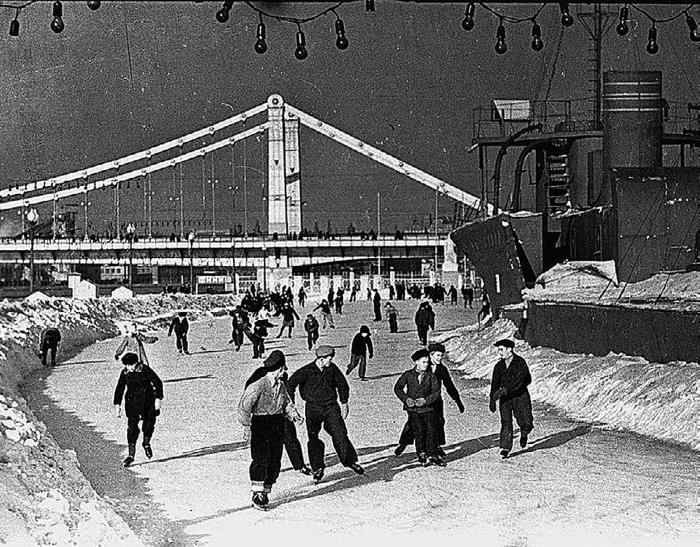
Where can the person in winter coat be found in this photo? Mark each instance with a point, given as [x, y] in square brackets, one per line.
[393, 317]
[436, 351]
[302, 297]
[262, 411]
[132, 342]
[50, 338]
[288, 315]
[259, 334]
[377, 304]
[239, 325]
[144, 393]
[453, 295]
[418, 389]
[181, 326]
[509, 382]
[311, 327]
[339, 300]
[361, 346]
[321, 385]
[326, 313]
[425, 319]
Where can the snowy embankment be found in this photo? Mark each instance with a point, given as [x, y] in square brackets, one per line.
[623, 392]
[44, 499]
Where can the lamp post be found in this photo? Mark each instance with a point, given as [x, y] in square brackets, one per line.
[130, 231]
[190, 239]
[264, 259]
[32, 219]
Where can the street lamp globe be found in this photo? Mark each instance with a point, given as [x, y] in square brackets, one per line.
[32, 216]
[130, 230]
[190, 237]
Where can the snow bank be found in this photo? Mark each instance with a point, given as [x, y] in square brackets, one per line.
[657, 400]
[44, 499]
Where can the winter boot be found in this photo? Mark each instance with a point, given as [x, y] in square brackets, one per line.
[318, 475]
[147, 447]
[260, 501]
[504, 453]
[130, 458]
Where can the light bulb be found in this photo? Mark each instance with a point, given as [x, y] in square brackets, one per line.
[566, 19]
[537, 43]
[341, 41]
[93, 4]
[501, 46]
[14, 27]
[222, 15]
[57, 24]
[468, 21]
[652, 45]
[622, 27]
[692, 27]
[300, 52]
[261, 45]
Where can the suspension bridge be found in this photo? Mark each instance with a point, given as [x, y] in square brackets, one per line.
[283, 247]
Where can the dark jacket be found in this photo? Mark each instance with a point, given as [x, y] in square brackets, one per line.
[319, 386]
[425, 317]
[180, 325]
[514, 379]
[288, 314]
[51, 336]
[407, 386]
[311, 324]
[324, 307]
[443, 376]
[143, 387]
[361, 345]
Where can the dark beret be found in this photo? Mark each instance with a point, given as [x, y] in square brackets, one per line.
[505, 343]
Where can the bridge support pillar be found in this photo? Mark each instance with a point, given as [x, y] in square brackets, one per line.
[276, 191]
[293, 174]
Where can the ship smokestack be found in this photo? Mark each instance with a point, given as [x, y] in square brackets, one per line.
[632, 119]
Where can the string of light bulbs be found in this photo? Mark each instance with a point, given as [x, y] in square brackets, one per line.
[567, 20]
[57, 24]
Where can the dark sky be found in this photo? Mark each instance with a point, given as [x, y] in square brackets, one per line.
[407, 84]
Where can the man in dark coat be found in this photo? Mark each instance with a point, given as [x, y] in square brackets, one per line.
[239, 324]
[144, 392]
[50, 339]
[436, 351]
[377, 303]
[425, 319]
[181, 326]
[509, 382]
[288, 314]
[361, 346]
[321, 384]
[311, 327]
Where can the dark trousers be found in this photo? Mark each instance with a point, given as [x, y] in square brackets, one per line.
[289, 325]
[422, 333]
[45, 349]
[357, 361]
[292, 445]
[393, 323]
[237, 336]
[328, 416]
[521, 408]
[425, 429]
[408, 434]
[181, 342]
[266, 442]
[136, 412]
[377, 312]
[311, 338]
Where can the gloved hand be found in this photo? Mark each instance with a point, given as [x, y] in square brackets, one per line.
[492, 405]
[499, 393]
[157, 412]
[116, 357]
[460, 406]
[410, 403]
[420, 401]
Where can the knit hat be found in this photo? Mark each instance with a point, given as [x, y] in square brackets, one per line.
[419, 354]
[364, 328]
[274, 361]
[325, 351]
[436, 346]
[130, 359]
[505, 343]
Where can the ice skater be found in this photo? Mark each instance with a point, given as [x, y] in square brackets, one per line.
[50, 339]
[326, 313]
[288, 315]
[181, 326]
[393, 317]
[311, 327]
[262, 411]
[509, 382]
[321, 384]
[142, 401]
[360, 349]
[133, 342]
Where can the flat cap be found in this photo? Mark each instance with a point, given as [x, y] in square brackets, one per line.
[130, 359]
[325, 351]
[436, 346]
[505, 343]
[275, 360]
[419, 354]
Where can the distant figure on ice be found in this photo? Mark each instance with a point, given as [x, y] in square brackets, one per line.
[288, 314]
[361, 346]
[181, 326]
[509, 382]
[425, 319]
[453, 295]
[339, 300]
[262, 411]
[302, 297]
[485, 310]
[132, 342]
[144, 393]
[239, 325]
[326, 313]
[468, 294]
[50, 339]
[393, 317]
[311, 327]
[377, 304]
[418, 389]
[260, 332]
[321, 384]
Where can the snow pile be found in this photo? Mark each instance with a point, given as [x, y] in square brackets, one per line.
[657, 400]
[44, 499]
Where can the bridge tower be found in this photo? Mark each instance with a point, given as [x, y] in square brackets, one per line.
[293, 171]
[276, 187]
